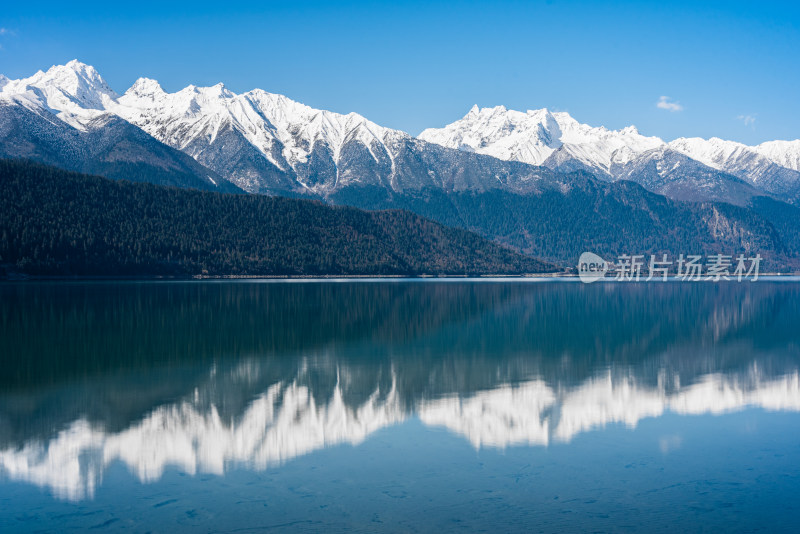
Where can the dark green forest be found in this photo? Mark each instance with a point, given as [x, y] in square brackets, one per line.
[606, 218]
[61, 223]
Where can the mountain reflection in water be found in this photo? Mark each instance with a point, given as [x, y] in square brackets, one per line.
[209, 376]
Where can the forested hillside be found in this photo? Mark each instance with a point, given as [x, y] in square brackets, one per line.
[55, 222]
[607, 218]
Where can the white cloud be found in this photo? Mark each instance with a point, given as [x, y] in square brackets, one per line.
[5, 32]
[748, 120]
[667, 103]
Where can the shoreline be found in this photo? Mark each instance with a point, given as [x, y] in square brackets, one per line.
[560, 276]
[39, 278]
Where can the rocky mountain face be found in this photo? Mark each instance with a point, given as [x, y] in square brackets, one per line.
[58, 117]
[746, 163]
[676, 175]
[108, 146]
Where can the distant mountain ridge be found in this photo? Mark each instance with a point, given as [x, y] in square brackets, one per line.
[263, 142]
[559, 142]
[268, 143]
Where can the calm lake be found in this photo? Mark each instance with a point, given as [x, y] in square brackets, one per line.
[400, 405]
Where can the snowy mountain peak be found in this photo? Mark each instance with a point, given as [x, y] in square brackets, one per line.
[213, 91]
[78, 67]
[78, 80]
[536, 135]
[218, 89]
[146, 88]
[507, 134]
[3, 81]
[66, 89]
[713, 152]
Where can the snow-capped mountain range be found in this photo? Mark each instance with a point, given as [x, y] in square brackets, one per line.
[268, 143]
[556, 140]
[241, 136]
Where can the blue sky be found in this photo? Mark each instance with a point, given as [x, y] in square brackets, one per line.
[731, 69]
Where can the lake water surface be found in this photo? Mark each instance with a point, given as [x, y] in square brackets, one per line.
[410, 406]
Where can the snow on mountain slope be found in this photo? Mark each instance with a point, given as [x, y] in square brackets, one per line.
[268, 143]
[110, 146]
[784, 153]
[676, 175]
[536, 135]
[60, 118]
[511, 135]
[739, 160]
[559, 142]
[75, 92]
[264, 119]
[284, 132]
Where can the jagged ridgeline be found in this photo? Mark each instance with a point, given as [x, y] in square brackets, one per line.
[56, 222]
